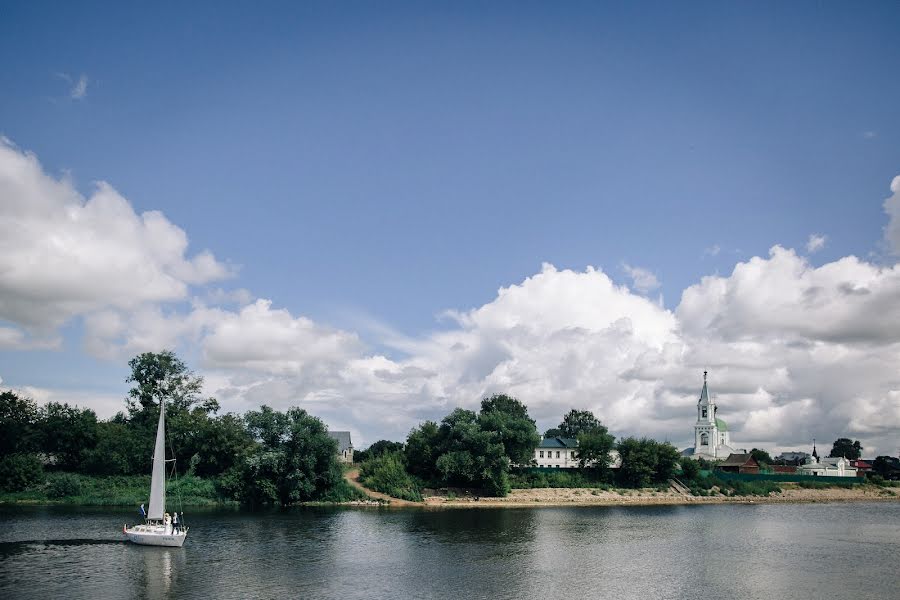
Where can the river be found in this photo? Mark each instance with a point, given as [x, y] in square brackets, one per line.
[680, 552]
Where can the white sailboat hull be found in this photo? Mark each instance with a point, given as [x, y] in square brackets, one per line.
[149, 536]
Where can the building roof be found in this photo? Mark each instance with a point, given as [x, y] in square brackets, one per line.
[738, 460]
[720, 425]
[558, 442]
[343, 439]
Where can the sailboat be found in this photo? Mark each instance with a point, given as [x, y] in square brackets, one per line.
[158, 528]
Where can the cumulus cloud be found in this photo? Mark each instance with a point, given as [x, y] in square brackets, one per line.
[643, 280]
[794, 351]
[815, 242]
[63, 254]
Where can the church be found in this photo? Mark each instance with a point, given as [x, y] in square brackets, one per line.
[711, 439]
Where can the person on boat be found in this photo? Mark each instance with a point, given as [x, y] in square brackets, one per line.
[175, 522]
[167, 521]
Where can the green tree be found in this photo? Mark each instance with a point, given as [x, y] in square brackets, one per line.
[294, 460]
[379, 448]
[690, 469]
[845, 447]
[576, 422]
[19, 471]
[553, 432]
[19, 432]
[515, 429]
[160, 376]
[423, 447]
[646, 461]
[68, 432]
[386, 472]
[114, 453]
[593, 449]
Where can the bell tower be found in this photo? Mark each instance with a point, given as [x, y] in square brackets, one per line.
[706, 434]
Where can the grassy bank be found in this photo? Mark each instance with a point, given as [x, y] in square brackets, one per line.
[132, 490]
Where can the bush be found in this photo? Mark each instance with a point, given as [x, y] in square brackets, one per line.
[343, 492]
[690, 469]
[62, 485]
[525, 479]
[19, 471]
[387, 474]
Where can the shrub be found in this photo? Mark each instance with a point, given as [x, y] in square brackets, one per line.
[387, 474]
[19, 471]
[62, 485]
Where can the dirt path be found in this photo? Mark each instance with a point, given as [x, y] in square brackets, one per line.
[352, 477]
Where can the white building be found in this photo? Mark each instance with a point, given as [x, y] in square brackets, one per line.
[562, 453]
[828, 466]
[711, 437]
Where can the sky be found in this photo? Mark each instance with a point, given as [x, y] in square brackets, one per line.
[380, 213]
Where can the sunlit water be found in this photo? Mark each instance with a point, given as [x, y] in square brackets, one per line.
[731, 551]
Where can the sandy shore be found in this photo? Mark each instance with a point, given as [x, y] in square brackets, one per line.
[591, 497]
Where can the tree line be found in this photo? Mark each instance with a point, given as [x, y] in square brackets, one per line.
[262, 457]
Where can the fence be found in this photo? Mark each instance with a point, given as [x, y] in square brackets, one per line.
[784, 477]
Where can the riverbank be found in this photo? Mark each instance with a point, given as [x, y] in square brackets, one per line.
[790, 493]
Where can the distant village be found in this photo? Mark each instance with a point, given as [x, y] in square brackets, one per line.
[712, 446]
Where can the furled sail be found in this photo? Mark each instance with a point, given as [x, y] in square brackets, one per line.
[158, 478]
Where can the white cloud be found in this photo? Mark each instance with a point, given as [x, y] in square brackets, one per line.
[79, 89]
[870, 134]
[64, 255]
[815, 242]
[892, 208]
[712, 250]
[642, 280]
[794, 351]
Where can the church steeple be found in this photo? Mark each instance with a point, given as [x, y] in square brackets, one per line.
[815, 454]
[706, 408]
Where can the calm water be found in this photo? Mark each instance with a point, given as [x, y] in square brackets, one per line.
[741, 551]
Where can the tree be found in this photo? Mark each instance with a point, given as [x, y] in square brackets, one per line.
[516, 430]
[19, 471]
[379, 448]
[593, 449]
[18, 424]
[294, 460]
[423, 447]
[846, 448]
[576, 422]
[690, 469]
[761, 456]
[161, 376]
[68, 433]
[553, 432]
[646, 461]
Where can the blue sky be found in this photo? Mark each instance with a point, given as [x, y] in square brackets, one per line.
[369, 167]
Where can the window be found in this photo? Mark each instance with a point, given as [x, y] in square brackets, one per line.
[704, 413]
[704, 439]
[542, 454]
[573, 454]
[557, 454]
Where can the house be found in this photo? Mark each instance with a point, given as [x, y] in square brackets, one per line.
[562, 453]
[739, 463]
[557, 453]
[345, 446]
[862, 467]
[829, 466]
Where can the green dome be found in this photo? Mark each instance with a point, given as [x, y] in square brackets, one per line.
[720, 424]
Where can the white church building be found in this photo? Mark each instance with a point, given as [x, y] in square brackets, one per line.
[711, 438]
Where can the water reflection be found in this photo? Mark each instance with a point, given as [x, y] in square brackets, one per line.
[634, 552]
